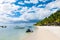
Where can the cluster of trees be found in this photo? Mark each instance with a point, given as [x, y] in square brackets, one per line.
[53, 19]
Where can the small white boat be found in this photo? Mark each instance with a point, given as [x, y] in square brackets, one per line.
[18, 27]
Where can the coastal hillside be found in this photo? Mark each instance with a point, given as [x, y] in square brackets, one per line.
[52, 20]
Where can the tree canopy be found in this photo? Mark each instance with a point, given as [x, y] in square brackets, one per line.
[53, 19]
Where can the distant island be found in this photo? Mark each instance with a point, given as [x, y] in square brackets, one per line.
[52, 20]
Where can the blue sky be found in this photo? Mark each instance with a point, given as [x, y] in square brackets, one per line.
[20, 11]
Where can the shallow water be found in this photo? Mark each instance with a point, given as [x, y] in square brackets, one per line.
[10, 33]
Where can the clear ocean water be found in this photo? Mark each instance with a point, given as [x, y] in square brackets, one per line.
[11, 33]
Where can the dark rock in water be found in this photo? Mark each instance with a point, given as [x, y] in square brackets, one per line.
[3, 26]
[28, 30]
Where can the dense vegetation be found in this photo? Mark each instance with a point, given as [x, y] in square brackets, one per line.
[53, 19]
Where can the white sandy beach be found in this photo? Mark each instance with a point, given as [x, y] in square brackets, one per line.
[44, 33]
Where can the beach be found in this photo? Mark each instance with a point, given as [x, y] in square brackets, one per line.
[44, 33]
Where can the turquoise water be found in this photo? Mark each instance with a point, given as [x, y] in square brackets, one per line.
[10, 33]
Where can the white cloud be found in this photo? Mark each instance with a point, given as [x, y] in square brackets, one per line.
[34, 1]
[6, 1]
[40, 13]
[31, 1]
[43, 0]
[6, 8]
[55, 4]
[21, 3]
[27, 1]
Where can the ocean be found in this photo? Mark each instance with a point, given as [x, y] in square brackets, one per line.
[11, 33]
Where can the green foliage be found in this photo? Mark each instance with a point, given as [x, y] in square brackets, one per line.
[53, 19]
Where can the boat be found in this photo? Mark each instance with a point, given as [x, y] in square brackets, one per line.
[18, 27]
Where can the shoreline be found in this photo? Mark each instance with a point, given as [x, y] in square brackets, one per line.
[44, 33]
